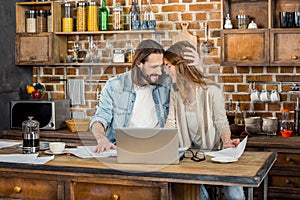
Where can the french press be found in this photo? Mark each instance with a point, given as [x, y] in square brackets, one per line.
[30, 136]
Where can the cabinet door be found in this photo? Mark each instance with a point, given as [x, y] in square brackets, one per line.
[245, 47]
[34, 49]
[285, 47]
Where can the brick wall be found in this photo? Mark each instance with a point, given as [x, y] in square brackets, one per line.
[169, 15]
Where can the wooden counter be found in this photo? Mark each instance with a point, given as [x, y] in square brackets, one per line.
[69, 177]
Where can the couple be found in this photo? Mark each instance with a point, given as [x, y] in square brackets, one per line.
[165, 89]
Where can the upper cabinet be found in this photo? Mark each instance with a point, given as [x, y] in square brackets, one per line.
[270, 43]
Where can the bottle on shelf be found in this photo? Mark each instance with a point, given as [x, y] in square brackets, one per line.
[67, 20]
[286, 128]
[296, 119]
[118, 17]
[134, 17]
[238, 115]
[228, 24]
[230, 113]
[149, 22]
[103, 17]
[81, 17]
[92, 16]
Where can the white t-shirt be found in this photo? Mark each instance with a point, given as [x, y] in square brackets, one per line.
[143, 113]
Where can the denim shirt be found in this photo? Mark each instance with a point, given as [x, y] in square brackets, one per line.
[117, 99]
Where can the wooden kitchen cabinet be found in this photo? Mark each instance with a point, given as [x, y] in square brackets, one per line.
[284, 177]
[245, 48]
[278, 46]
[285, 47]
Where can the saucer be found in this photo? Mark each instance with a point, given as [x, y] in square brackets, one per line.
[50, 152]
[224, 159]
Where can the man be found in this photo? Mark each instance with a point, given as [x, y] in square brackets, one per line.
[138, 98]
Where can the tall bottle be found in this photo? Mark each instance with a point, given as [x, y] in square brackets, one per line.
[134, 17]
[230, 112]
[118, 17]
[103, 17]
[149, 21]
[296, 131]
[238, 116]
[285, 126]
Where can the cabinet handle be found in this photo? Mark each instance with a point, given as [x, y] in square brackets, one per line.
[294, 57]
[288, 159]
[17, 189]
[115, 197]
[287, 181]
[244, 58]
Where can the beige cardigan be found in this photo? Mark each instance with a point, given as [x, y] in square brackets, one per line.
[211, 117]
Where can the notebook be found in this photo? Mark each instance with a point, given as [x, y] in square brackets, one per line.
[147, 145]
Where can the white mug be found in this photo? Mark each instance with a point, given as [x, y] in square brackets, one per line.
[264, 96]
[275, 97]
[255, 95]
[57, 147]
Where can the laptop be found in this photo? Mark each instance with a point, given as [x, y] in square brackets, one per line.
[147, 146]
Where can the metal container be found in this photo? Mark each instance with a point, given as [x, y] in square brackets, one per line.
[31, 136]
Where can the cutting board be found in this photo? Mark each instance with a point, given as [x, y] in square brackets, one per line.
[185, 36]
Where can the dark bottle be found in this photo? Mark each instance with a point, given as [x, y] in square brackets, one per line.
[230, 113]
[148, 18]
[134, 17]
[103, 17]
[296, 119]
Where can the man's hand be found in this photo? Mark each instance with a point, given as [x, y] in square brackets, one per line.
[104, 145]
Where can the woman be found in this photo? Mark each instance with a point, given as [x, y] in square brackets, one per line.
[197, 109]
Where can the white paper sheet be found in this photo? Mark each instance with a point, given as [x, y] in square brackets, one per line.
[230, 152]
[25, 158]
[88, 152]
[5, 144]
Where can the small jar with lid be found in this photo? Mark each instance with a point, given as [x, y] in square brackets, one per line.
[81, 17]
[242, 21]
[92, 18]
[30, 21]
[41, 21]
[118, 17]
[67, 20]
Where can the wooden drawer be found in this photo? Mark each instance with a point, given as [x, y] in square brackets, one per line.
[288, 159]
[284, 181]
[21, 188]
[122, 190]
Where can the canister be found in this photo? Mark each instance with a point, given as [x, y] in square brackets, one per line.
[41, 21]
[30, 136]
[92, 16]
[118, 55]
[81, 16]
[118, 17]
[67, 20]
[30, 21]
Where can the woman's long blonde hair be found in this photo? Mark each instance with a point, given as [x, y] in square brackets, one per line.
[186, 74]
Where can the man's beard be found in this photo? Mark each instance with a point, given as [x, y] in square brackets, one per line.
[147, 78]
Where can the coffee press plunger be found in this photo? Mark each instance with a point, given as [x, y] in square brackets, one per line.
[31, 136]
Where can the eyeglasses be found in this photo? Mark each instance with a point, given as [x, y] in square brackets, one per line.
[197, 156]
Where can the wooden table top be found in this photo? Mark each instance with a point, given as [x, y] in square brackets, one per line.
[248, 171]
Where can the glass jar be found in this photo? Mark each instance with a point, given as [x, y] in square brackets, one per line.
[49, 21]
[286, 128]
[81, 16]
[118, 17]
[41, 21]
[242, 21]
[30, 136]
[67, 20]
[30, 21]
[92, 16]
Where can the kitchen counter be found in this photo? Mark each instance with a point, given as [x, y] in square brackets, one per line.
[70, 177]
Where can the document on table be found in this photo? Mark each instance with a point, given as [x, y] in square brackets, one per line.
[230, 152]
[88, 152]
[5, 144]
[25, 158]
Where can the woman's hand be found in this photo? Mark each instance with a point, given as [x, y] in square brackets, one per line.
[104, 145]
[231, 143]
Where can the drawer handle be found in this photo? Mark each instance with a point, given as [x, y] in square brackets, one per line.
[115, 197]
[244, 58]
[287, 181]
[17, 189]
[294, 57]
[288, 159]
